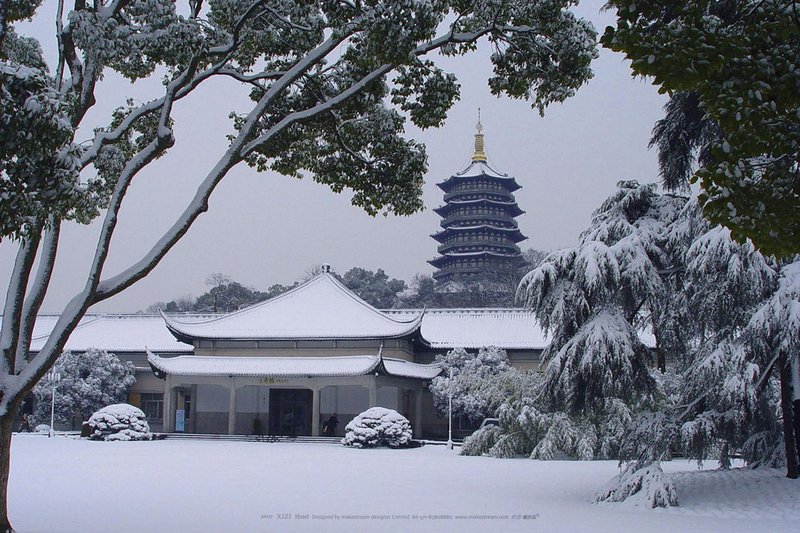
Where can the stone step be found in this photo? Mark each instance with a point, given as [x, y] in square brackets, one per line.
[250, 438]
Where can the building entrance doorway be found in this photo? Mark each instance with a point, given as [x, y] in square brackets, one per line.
[290, 412]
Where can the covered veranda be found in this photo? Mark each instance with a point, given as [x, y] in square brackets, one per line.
[289, 396]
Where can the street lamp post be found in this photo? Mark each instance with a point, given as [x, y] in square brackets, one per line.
[450, 410]
[54, 378]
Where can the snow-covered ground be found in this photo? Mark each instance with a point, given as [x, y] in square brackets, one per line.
[64, 484]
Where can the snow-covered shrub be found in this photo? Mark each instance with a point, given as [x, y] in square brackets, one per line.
[378, 426]
[119, 422]
[42, 428]
[641, 484]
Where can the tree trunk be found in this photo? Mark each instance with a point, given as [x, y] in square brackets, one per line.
[789, 420]
[795, 381]
[6, 422]
[796, 410]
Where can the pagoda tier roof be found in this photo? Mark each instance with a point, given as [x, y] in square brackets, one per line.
[439, 261]
[477, 169]
[511, 206]
[286, 367]
[513, 233]
[320, 309]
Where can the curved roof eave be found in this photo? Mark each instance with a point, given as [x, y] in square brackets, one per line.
[218, 366]
[346, 366]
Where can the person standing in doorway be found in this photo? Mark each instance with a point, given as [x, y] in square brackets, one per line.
[330, 426]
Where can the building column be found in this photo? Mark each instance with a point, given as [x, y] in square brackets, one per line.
[315, 411]
[373, 391]
[418, 414]
[401, 403]
[168, 425]
[232, 408]
[193, 414]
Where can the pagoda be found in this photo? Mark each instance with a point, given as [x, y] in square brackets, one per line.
[480, 235]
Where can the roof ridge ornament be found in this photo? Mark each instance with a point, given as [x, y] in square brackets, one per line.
[479, 154]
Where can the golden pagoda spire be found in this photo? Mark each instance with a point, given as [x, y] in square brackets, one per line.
[478, 154]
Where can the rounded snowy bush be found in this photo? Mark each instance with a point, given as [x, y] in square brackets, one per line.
[378, 426]
[119, 422]
[42, 428]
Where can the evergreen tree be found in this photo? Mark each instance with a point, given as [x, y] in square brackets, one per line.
[89, 381]
[591, 299]
[740, 59]
[375, 288]
[774, 335]
[473, 379]
[684, 136]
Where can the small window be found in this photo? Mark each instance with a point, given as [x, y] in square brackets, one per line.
[153, 404]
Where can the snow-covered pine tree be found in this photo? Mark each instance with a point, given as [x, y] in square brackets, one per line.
[89, 381]
[716, 397]
[774, 335]
[724, 283]
[594, 299]
[590, 299]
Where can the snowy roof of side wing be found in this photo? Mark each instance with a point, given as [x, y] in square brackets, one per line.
[321, 308]
[476, 328]
[507, 328]
[114, 333]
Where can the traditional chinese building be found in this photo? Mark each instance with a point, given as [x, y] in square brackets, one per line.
[479, 234]
[283, 366]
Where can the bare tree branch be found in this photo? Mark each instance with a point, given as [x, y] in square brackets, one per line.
[12, 311]
[34, 300]
[199, 203]
[357, 87]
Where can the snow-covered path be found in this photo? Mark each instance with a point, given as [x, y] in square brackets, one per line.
[64, 484]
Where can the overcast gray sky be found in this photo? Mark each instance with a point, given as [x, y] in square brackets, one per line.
[263, 229]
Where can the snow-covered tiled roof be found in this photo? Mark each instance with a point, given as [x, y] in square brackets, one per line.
[406, 369]
[195, 365]
[482, 226]
[479, 252]
[114, 333]
[477, 168]
[321, 308]
[474, 328]
[508, 328]
[338, 366]
[43, 326]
